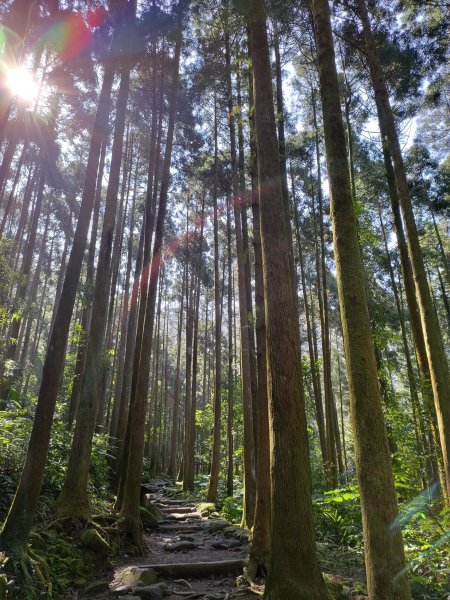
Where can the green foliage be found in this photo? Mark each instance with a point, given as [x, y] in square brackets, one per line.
[232, 509]
[426, 534]
[15, 429]
[338, 516]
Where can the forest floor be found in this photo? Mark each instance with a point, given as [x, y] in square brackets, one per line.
[196, 555]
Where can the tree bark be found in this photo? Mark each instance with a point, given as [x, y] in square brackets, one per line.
[215, 457]
[437, 360]
[294, 568]
[249, 440]
[383, 540]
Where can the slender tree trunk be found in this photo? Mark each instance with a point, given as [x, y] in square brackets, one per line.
[129, 513]
[215, 457]
[437, 360]
[117, 412]
[86, 314]
[383, 541]
[230, 377]
[191, 440]
[249, 445]
[176, 394]
[415, 403]
[309, 333]
[190, 285]
[140, 291]
[17, 526]
[73, 500]
[260, 548]
[244, 200]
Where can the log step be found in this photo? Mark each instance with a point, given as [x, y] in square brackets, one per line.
[170, 527]
[200, 569]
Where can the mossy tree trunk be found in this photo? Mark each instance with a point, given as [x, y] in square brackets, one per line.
[437, 360]
[384, 553]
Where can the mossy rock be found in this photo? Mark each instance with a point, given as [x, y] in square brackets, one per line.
[97, 587]
[155, 511]
[135, 576]
[148, 519]
[336, 588]
[93, 541]
[219, 525]
[206, 508]
[242, 534]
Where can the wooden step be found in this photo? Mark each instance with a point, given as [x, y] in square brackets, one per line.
[171, 527]
[199, 569]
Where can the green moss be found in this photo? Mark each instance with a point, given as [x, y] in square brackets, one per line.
[94, 542]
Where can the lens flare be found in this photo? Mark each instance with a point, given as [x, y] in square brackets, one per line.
[22, 84]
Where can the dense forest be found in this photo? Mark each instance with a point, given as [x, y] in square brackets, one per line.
[225, 299]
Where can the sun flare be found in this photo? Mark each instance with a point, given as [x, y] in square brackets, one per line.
[22, 84]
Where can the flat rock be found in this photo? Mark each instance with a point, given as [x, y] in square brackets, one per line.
[150, 592]
[181, 546]
[226, 544]
[218, 525]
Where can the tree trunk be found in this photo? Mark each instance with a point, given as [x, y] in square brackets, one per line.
[294, 568]
[437, 360]
[230, 377]
[130, 517]
[215, 458]
[260, 548]
[309, 333]
[172, 472]
[249, 445]
[383, 541]
[17, 526]
[86, 314]
[73, 500]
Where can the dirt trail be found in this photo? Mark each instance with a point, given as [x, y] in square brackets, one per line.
[195, 557]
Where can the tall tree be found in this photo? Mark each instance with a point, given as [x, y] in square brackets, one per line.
[437, 360]
[383, 541]
[294, 569]
[17, 526]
